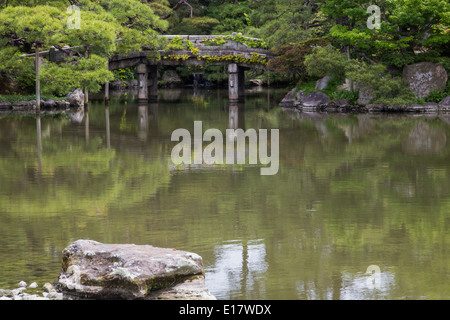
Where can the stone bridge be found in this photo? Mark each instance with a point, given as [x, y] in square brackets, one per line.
[236, 56]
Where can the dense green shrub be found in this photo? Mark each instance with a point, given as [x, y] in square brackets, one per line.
[438, 96]
[17, 97]
[350, 96]
[195, 25]
[325, 61]
[76, 73]
[387, 89]
[290, 59]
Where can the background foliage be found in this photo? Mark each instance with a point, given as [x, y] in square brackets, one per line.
[410, 31]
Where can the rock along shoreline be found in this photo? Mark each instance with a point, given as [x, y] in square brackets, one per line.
[73, 100]
[31, 292]
[320, 102]
[95, 271]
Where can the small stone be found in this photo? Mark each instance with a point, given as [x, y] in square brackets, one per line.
[55, 295]
[48, 287]
[18, 291]
[6, 293]
[62, 104]
[33, 285]
[33, 297]
[22, 284]
[426, 107]
[49, 104]
[23, 105]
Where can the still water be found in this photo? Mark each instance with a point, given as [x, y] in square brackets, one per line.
[354, 193]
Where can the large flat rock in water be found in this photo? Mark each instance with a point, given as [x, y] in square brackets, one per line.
[93, 270]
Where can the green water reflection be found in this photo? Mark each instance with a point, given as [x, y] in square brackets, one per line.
[352, 191]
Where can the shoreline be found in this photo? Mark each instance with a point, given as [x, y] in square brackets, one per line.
[374, 108]
[31, 292]
[317, 101]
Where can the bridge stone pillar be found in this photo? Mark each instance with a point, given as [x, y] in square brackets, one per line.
[153, 82]
[236, 82]
[141, 70]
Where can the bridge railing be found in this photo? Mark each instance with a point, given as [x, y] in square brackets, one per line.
[195, 39]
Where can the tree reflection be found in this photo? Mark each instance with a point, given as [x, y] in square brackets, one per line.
[143, 121]
[309, 232]
[108, 129]
[238, 269]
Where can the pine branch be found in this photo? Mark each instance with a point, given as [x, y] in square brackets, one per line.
[177, 6]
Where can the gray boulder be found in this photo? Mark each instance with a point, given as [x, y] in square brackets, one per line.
[62, 104]
[76, 98]
[24, 105]
[49, 104]
[126, 271]
[300, 95]
[428, 107]
[322, 84]
[258, 82]
[365, 95]
[444, 105]
[5, 105]
[375, 107]
[171, 77]
[192, 289]
[289, 99]
[423, 77]
[315, 100]
[338, 105]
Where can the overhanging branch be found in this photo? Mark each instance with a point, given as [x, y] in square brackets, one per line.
[177, 6]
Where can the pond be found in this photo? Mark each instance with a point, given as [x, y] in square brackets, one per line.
[359, 208]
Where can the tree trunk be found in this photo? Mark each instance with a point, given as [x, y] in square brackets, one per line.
[38, 83]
